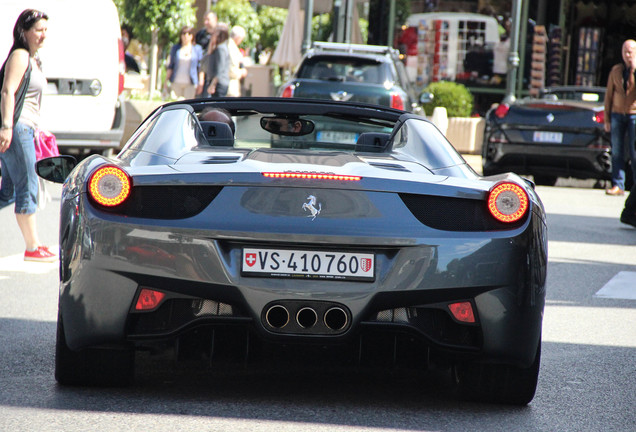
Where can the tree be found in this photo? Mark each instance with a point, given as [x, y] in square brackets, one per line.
[272, 21]
[165, 17]
[240, 12]
[156, 22]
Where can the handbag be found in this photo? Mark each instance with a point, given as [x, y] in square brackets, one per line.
[45, 145]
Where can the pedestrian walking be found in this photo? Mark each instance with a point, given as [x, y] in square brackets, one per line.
[23, 83]
[183, 71]
[237, 64]
[205, 34]
[217, 64]
[620, 115]
[628, 215]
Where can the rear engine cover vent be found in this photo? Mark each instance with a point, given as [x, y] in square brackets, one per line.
[222, 159]
[389, 166]
[454, 214]
[167, 202]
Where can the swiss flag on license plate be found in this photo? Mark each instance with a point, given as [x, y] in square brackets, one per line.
[250, 259]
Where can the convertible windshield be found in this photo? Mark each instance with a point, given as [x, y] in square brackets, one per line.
[176, 130]
[179, 129]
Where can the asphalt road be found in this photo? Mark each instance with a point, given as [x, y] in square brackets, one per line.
[587, 380]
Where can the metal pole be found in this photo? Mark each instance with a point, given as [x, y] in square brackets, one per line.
[309, 12]
[513, 55]
[348, 20]
[338, 24]
[391, 29]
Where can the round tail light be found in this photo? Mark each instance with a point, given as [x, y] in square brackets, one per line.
[508, 202]
[109, 186]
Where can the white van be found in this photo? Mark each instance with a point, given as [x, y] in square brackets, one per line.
[83, 60]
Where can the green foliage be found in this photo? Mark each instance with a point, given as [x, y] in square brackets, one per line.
[241, 12]
[321, 27]
[167, 16]
[456, 98]
[272, 20]
[402, 12]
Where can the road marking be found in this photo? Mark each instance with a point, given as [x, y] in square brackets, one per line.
[16, 263]
[621, 286]
[583, 325]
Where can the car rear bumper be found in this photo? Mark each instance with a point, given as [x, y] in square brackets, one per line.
[501, 274]
[558, 161]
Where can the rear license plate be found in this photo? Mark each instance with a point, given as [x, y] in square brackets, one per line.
[548, 137]
[337, 137]
[308, 264]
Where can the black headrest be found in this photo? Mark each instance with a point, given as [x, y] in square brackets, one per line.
[372, 142]
[218, 133]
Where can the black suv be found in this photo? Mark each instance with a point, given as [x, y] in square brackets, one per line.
[352, 72]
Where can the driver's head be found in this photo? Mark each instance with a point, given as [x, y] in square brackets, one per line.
[285, 125]
[218, 115]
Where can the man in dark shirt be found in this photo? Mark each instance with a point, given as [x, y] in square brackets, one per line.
[131, 63]
[203, 35]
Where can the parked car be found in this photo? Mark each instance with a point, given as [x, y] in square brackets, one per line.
[559, 134]
[353, 72]
[83, 60]
[389, 248]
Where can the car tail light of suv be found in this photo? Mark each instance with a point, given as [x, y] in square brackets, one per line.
[288, 91]
[396, 101]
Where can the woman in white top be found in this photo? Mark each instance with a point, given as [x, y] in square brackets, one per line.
[183, 71]
[23, 83]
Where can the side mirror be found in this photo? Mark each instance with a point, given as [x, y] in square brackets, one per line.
[426, 97]
[55, 169]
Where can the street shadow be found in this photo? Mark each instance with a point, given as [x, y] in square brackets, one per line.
[344, 398]
[591, 229]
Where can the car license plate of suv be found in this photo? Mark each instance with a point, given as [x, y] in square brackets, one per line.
[337, 137]
[308, 264]
[548, 137]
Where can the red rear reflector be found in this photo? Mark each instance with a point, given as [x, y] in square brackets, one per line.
[508, 202]
[302, 175]
[288, 91]
[149, 299]
[396, 101]
[462, 311]
[109, 186]
[502, 110]
[599, 117]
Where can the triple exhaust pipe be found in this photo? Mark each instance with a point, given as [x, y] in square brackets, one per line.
[310, 319]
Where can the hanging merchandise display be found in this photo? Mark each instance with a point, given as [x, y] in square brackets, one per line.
[587, 60]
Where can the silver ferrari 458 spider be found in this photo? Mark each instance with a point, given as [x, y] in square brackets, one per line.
[252, 224]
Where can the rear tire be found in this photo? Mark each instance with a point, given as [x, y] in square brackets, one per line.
[92, 367]
[505, 384]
